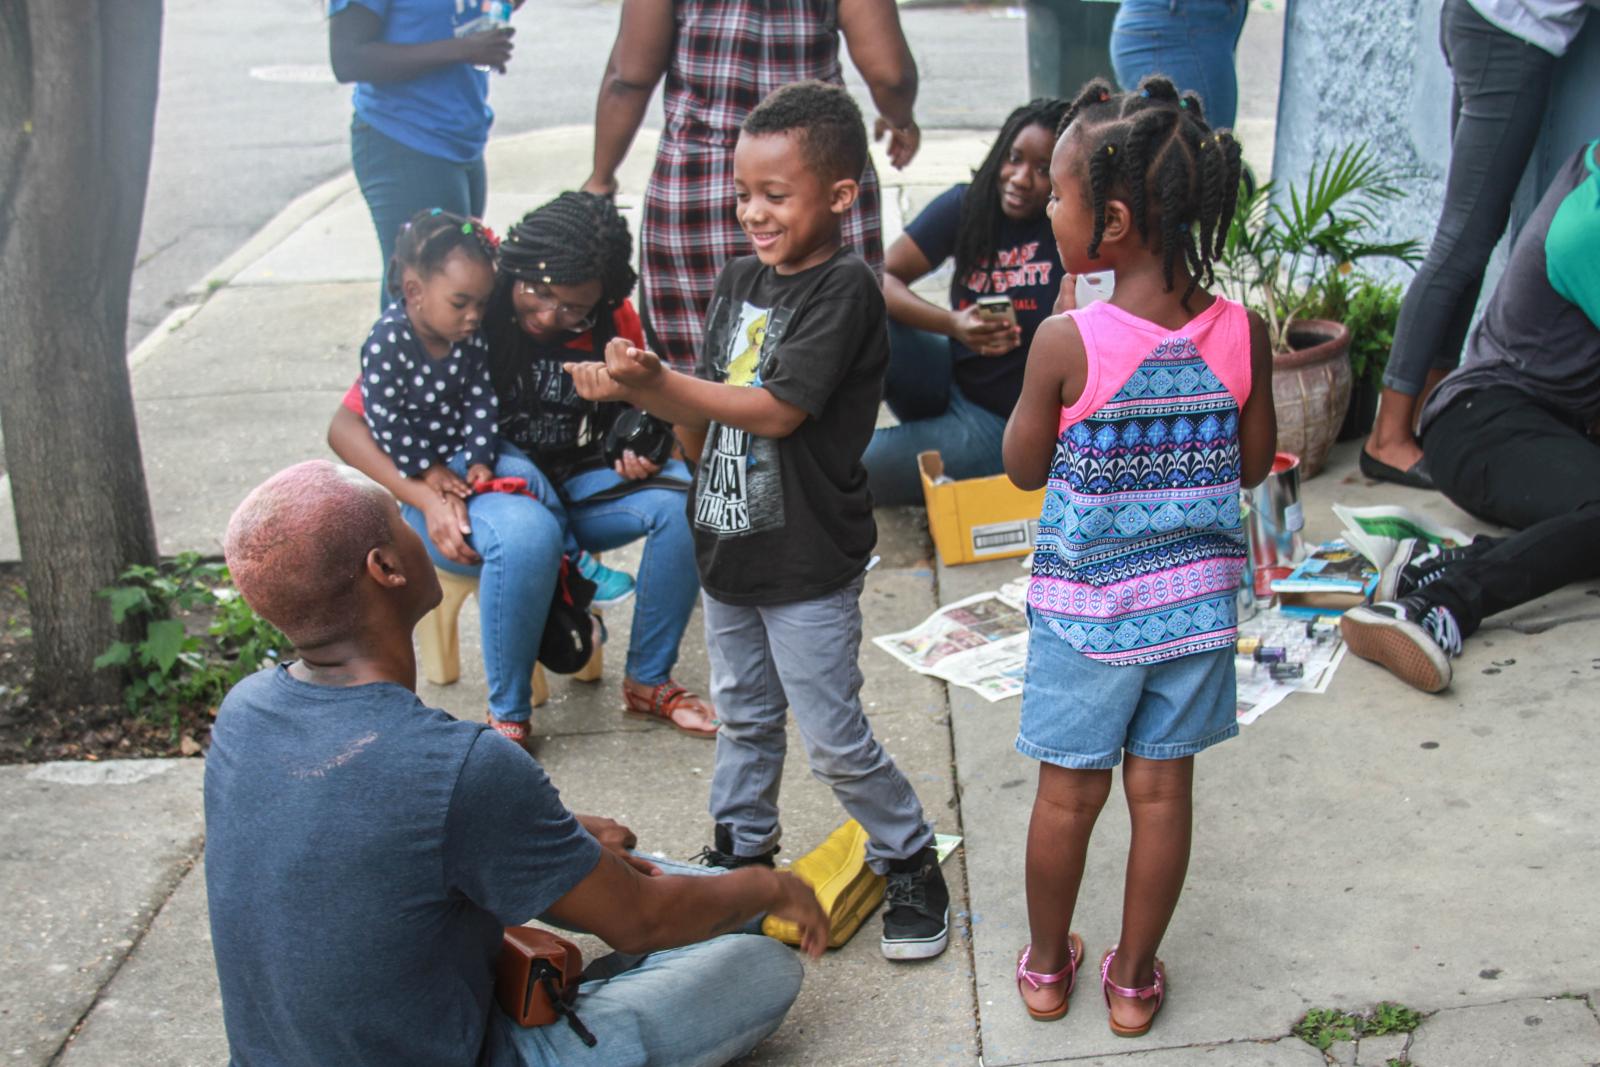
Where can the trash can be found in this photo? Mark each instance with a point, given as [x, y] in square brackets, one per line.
[1069, 42]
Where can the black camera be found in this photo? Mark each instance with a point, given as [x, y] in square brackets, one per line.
[644, 435]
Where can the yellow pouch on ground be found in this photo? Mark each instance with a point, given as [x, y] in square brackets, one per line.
[847, 888]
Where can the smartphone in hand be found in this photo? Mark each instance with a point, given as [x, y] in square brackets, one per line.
[997, 309]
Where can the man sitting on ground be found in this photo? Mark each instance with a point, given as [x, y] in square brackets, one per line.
[364, 851]
[1509, 436]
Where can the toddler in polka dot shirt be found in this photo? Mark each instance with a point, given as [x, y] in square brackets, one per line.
[425, 381]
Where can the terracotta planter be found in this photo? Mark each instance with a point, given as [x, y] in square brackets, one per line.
[1311, 388]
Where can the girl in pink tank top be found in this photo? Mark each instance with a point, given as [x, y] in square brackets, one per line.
[1141, 417]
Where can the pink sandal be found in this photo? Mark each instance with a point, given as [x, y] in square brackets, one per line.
[1156, 990]
[1035, 980]
[515, 732]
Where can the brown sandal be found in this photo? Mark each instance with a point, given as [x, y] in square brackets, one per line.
[663, 701]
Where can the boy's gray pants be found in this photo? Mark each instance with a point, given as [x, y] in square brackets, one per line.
[805, 655]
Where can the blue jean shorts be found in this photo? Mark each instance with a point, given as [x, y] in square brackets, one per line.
[1081, 713]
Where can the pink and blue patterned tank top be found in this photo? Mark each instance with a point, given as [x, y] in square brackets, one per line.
[1140, 547]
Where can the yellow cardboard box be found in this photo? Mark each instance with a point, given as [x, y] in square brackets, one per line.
[978, 519]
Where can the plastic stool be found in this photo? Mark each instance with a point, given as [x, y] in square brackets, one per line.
[439, 640]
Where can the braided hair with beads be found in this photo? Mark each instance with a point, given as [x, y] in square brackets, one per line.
[428, 238]
[571, 240]
[1179, 177]
[981, 217]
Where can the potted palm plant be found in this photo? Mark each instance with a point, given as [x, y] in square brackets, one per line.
[1285, 256]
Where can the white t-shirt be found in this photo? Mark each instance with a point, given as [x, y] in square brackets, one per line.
[1548, 24]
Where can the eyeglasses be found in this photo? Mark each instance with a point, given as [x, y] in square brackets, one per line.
[567, 316]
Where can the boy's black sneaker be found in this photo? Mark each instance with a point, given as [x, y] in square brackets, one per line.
[721, 854]
[916, 925]
[1412, 638]
[1418, 563]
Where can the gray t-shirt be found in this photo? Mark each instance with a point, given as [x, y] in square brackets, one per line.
[363, 853]
[1531, 338]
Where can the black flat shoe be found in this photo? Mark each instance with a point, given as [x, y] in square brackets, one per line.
[1413, 477]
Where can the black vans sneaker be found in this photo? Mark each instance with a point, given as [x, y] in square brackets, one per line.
[721, 854]
[916, 925]
[1410, 637]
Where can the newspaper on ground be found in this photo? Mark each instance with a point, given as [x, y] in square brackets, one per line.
[1314, 644]
[980, 643]
[1376, 532]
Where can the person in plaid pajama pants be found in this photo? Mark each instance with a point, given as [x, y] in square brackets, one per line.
[721, 58]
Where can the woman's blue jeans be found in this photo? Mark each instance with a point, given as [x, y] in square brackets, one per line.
[1190, 41]
[521, 542]
[966, 436]
[398, 181]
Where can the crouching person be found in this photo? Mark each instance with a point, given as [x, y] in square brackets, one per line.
[364, 851]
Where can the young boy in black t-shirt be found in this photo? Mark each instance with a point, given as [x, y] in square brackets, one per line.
[788, 388]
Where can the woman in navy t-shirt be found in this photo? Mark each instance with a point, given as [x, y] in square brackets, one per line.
[953, 375]
[421, 104]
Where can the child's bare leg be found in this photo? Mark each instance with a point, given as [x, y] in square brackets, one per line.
[1160, 803]
[1064, 812]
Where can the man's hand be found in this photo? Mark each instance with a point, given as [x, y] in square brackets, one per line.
[617, 838]
[987, 337]
[592, 381]
[479, 472]
[629, 365]
[797, 903]
[491, 48]
[903, 140]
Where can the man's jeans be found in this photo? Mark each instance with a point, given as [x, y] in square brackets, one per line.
[398, 181]
[521, 545]
[934, 415]
[1500, 455]
[802, 655]
[1190, 41]
[1502, 84]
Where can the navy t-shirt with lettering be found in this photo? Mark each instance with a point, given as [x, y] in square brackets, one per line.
[363, 853]
[1025, 266]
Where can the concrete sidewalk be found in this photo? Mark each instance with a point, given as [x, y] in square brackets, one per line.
[1369, 844]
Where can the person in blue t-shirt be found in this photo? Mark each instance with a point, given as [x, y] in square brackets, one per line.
[365, 851]
[954, 375]
[421, 104]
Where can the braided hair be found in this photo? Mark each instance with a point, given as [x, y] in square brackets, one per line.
[428, 238]
[574, 239]
[1179, 177]
[981, 218]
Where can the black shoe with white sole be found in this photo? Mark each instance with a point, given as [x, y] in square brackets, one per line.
[916, 925]
[1410, 637]
[1418, 563]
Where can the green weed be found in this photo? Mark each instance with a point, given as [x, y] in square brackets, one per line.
[1321, 1027]
[169, 668]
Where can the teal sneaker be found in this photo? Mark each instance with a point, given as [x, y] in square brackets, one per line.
[611, 587]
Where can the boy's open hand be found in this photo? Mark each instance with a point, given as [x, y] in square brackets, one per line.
[797, 903]
[630, 365]
[442, 479]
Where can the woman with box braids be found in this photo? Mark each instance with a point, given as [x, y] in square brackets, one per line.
[954, 371]
[562, 292]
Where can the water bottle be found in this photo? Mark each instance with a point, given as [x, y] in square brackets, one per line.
[496, 16]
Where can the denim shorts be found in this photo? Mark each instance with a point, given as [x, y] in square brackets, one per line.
[1081, 713]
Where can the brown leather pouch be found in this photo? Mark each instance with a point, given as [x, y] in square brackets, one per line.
[536, 978]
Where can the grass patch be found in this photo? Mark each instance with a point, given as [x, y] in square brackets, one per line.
[1321, 1027]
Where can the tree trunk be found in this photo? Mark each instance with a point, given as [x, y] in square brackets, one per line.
[78, 82]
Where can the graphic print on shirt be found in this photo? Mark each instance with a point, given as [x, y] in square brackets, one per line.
[740, 486]
[1018, 267]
